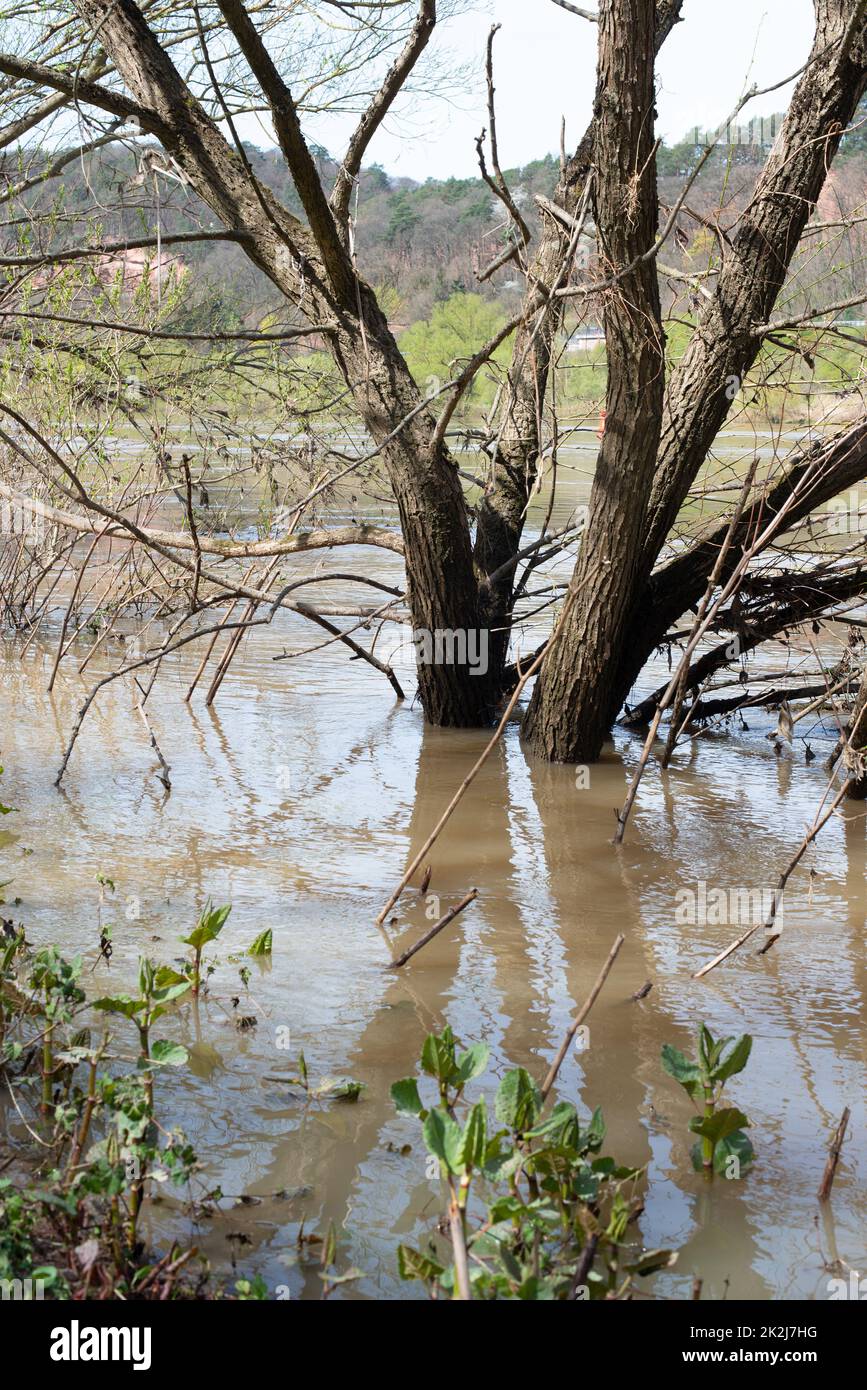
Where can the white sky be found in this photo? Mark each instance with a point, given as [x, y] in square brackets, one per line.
[545, 69]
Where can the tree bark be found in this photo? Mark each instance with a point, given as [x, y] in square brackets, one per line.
[725, 344]
[858, 744]
[570, 712]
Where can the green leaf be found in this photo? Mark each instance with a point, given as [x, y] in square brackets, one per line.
[505, 1209]
[561, 1127]
[444, 1139]
[412, 1264]
[594, 1136]
[500, 1167]
[472, 1062]
[338, 1088]
[438, 1055]
[119, 1004]
[168, 1054]
[735, 1146]
[407, 1100]
[166, 985]
[518, 1100]
[735, 1060]
[263, 943]
[165, 977]
[536, 1290]
[719, 1125]
[474, 1137]
[208, 927]
[708, 1050]
[683, 1071]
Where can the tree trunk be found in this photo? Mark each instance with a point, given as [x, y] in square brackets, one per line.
[313, 269]
[570, 712]
[856, 757]
[516, 428]
[614, 624]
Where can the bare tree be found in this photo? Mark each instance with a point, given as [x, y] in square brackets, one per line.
[183, 75]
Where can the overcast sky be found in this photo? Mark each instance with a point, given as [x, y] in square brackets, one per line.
[545, 61]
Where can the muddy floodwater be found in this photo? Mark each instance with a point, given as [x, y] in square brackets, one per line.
[299, 798]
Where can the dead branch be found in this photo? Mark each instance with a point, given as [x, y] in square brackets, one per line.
[580, 1016]
[444, 921]
[833, 1157]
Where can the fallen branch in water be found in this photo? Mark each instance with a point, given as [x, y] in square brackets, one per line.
[434, 931]
[833, 1157]
[165, 773]
[704, 710]
[580, 1017]
[172, 645]
[793, 863]
[318, 538]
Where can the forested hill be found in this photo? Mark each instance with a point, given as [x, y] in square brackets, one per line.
[418, 242]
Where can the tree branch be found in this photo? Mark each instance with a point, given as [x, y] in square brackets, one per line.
[76, 88]
[576, 9]
[295, 151]
[379, 107]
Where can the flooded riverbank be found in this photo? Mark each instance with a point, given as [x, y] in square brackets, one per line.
[299, 798]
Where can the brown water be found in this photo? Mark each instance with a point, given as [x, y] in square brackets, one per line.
[300, 798]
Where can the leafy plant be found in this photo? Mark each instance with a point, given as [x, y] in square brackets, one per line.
[19, 1216]
[159, 986]
[340, 1088]
[722, 1146]
[56, 980]
[549, 1217]
[12, 1000]
[251, 1290]
[263, 944]
[207, 929]
[71, 1228]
